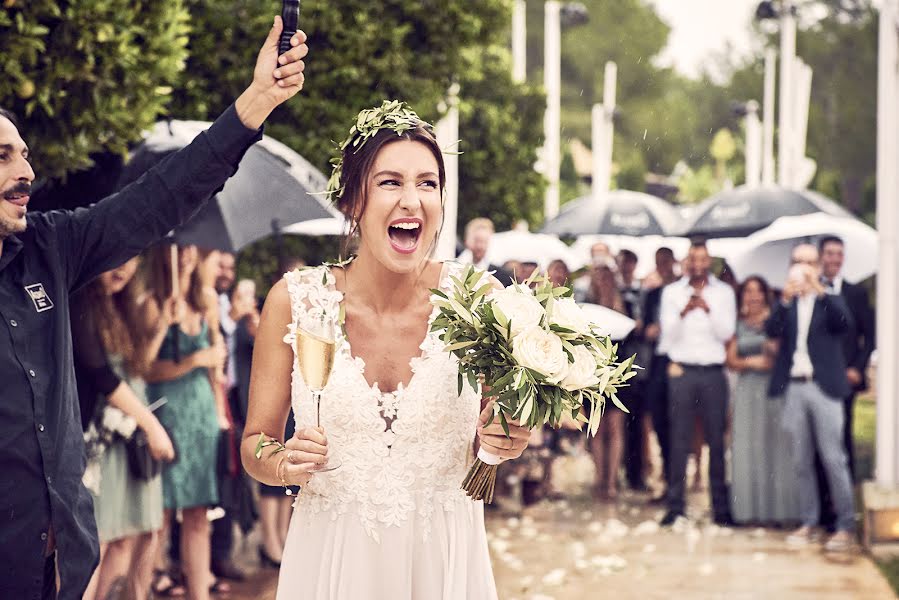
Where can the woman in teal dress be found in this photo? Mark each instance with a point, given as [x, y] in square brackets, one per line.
[110, 355]
[187, 372]
[763, 490]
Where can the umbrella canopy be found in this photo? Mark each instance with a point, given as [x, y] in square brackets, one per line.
[742, 211]
[524, 246]
[273, 186]
[767, 252]
[624, 213]
[609, 322]
[330, 226]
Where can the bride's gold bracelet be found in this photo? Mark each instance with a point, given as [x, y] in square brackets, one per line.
[266, 441]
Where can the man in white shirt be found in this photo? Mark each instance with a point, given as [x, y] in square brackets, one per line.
[698, 318]
[810, 368]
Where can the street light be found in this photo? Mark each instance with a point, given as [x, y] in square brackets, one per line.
[556, 14]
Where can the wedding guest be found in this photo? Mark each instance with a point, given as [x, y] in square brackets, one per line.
[186, 372]
[657, 380]
[858, 344]
[637, 423]
[48, 526]
[607, 446]
[763, 485]
[111, 350]
[478, 232]
[698, 317]
[810, 325]
[558, 273]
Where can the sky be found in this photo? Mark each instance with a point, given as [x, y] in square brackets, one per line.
[700, 28]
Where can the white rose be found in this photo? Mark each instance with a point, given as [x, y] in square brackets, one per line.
[567, 314]
[521, 308]
[582, 372]
[540, 350]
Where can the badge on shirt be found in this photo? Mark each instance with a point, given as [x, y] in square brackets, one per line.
[39, 296]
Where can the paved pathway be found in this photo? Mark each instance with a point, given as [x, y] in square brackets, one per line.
[580, 550]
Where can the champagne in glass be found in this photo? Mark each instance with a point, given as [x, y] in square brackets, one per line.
[315, 357]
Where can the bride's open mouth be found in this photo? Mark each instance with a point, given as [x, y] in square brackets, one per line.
[404, 235]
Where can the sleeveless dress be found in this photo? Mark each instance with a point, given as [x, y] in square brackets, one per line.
[190, 418]
[763, 487]
[391, 523]
[125, 505]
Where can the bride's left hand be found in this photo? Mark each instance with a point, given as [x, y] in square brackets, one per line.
[494, 440]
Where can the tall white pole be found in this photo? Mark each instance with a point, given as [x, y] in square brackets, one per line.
[552, 82]
[768, 116]
[519, 41]
[604, 134]
[598, 145]
[753, 145]
[787, 56]
[447, 130]
[887, 448]
[802, 100]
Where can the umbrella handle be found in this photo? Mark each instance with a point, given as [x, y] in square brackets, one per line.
[290, 17]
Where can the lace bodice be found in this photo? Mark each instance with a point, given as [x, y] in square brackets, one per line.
[403, 453]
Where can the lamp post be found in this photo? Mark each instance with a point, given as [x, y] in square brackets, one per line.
[603, 135]
[768, 117]
[556, 14]
[749, 111]
[519, 41]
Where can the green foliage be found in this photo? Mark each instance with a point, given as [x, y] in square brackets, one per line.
[501, 125]
[86, 76]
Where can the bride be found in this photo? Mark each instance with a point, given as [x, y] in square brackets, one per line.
[391, 522]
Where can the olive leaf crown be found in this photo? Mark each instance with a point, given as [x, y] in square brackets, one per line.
[394, 115]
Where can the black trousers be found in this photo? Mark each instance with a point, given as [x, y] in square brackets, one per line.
[634, 399]
[657, 403]
[828, 514]
[697, 390]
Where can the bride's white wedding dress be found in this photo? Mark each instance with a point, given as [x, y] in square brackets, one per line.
[392, 522]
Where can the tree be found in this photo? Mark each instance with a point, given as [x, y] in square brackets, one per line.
[501, 125]
[87, 76]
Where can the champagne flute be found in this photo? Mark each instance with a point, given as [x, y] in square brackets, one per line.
[315, 347]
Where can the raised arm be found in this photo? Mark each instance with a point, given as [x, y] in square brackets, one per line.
[94, 240]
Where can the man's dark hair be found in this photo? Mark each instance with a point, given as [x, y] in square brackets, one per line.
[628, 255]
[6, 114]
[829, 239]
[665, 250]
[698, 243]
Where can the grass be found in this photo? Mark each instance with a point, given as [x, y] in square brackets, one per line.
[864, 430]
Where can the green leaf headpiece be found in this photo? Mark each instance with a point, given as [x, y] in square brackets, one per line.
[394, 115]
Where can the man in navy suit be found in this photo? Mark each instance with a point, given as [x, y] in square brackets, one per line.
[810, 368]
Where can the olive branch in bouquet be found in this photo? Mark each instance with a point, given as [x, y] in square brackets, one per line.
[482, 337]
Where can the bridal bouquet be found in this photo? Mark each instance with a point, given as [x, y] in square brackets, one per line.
[538, 353]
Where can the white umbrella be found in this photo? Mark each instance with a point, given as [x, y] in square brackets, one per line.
[609, 322]
[330, 226]
[767, 252]
[524, 246]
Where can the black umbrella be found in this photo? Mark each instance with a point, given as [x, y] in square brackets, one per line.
[273, 187]
[623, 213]
[742, 211]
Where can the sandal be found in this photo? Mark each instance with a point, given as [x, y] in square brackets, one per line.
[167, 585]
[219, 586]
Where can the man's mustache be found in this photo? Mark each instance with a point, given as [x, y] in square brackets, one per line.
[20, 189]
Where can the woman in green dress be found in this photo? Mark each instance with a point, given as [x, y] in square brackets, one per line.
[187, 371]
[111, 353]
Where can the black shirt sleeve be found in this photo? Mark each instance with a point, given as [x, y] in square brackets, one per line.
[97, 239]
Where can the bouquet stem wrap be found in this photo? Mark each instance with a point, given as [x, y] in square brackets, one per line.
[480, 482]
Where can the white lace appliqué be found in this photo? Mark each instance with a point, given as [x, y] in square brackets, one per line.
[403, 454]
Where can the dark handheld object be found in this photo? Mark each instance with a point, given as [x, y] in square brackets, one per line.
[290, 16]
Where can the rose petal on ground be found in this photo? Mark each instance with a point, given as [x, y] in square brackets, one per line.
[555, 577]
[649, 548]
[759, 557]
[706, 569]
[647, 528]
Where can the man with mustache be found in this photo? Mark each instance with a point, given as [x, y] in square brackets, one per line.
[46, 516]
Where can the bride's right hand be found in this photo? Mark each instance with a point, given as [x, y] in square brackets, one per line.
[307, 449]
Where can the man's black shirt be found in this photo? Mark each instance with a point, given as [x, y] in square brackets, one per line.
[41, 443]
